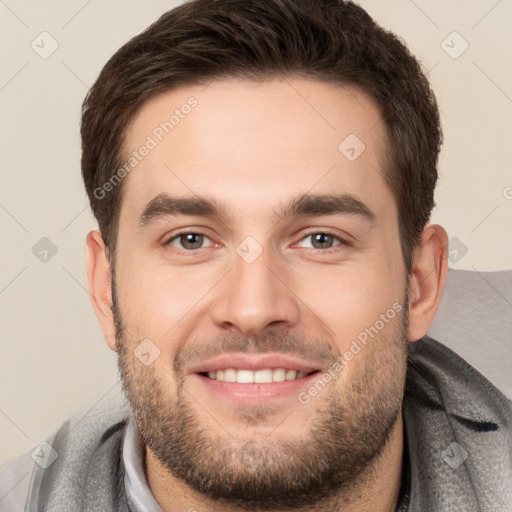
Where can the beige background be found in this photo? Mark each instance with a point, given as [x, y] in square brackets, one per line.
[53, 360]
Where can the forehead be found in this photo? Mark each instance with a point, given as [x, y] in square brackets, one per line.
[247, 142]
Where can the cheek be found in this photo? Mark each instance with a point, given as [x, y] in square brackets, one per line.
[350, 298]
[158, 301]
[143, 297]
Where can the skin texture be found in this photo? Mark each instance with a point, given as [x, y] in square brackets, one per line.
[252, 148]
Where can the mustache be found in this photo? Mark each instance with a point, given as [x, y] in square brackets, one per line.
[314, 350]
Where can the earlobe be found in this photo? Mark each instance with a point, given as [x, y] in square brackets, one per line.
[426, 281]
[100, 285]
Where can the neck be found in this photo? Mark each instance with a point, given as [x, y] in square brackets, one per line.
[377, 490]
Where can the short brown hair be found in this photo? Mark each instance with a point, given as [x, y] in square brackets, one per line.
[327, 40]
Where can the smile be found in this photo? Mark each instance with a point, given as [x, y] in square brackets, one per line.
[263, 376]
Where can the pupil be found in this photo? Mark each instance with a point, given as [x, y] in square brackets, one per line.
[191, 241]
[322, 240]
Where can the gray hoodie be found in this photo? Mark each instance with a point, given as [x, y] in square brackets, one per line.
[457, 456]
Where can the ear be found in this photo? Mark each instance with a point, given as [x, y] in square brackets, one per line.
[100, 285]
[426, 281]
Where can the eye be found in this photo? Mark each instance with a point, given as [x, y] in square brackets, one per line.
[190, 241]
[321, 240]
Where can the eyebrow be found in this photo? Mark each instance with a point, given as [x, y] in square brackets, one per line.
[164, 205]
[314, 205]
[306, 205]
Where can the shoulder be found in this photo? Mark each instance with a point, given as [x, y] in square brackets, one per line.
[438, 373]
[15, 477]
[474, 320]
[79, 455]
[458, 428]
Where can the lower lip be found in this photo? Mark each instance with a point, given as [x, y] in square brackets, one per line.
[254, 393]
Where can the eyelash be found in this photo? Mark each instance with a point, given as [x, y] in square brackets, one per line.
[342, 241]
[178, 235]
[329, 250]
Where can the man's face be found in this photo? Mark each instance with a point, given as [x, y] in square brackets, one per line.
[284, 258]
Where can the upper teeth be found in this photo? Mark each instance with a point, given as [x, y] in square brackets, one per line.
[259, 376]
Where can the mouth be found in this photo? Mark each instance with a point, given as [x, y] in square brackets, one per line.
[262, 376]
[254, 378]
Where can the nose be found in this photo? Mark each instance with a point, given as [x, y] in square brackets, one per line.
[254, 297]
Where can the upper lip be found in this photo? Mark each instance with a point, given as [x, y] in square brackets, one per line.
[253, 362]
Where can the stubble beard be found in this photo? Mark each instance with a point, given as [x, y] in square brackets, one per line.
[334, 457]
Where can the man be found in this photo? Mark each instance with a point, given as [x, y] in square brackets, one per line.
[263, 174]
